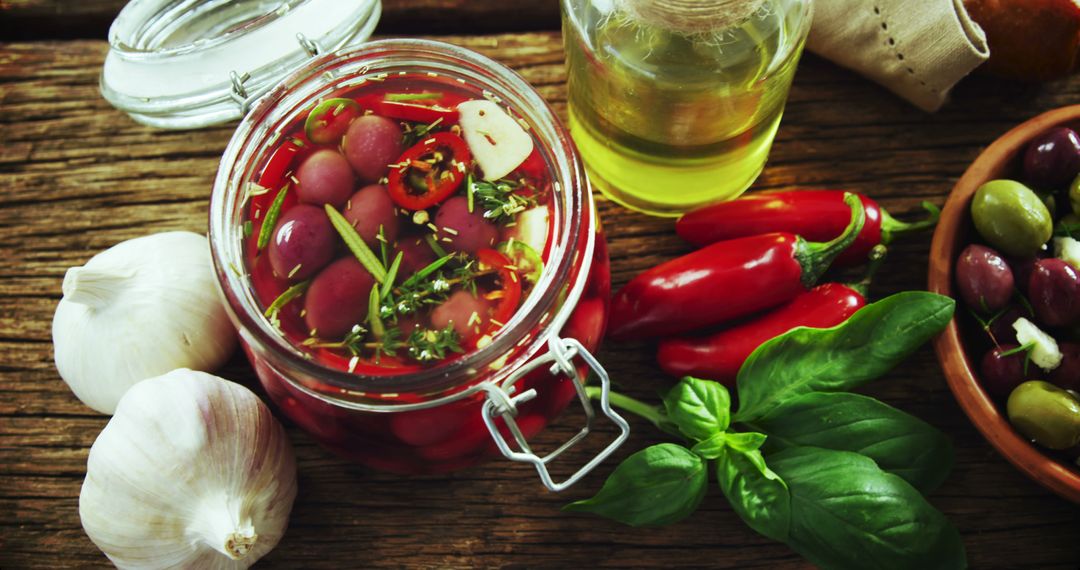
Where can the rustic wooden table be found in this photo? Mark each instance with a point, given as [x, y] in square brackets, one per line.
[77, 176]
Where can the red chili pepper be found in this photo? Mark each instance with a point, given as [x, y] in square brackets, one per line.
[273, 174]
[407, 111]
[441, 159]
[725, 281]
[719, 356]
[510, 294]
[817, 215]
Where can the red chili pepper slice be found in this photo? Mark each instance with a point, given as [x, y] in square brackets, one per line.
[429, 172]
[273, 174]
[329, 120]
[719, 356]
[409, 111]
[510, 294]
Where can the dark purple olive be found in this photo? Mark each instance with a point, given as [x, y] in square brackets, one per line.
[1054, 292]
[1052, 159]
[1002, 327]
[1022, 268]
[458, 310]
[416, 254]
[1067, 374]
[984, 279]
[372, 144]
[1000, 374]
[370, 208]
[303, 243]
[338, 298]
[325, 178]
[462, 230]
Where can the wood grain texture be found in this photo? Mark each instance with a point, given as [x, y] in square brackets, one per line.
[53, 19]
[78, 176]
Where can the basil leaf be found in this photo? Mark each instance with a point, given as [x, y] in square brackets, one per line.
[738, 441]
[700, 408]
[874, 340]
[848, 513]
[899, 443]
[756, 493]
[656, 486]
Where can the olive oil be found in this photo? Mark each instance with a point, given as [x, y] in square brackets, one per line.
[667, 120]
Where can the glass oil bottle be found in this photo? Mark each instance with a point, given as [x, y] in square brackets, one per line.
[675, 103]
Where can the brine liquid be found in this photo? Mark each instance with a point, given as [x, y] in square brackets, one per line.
[666, 122]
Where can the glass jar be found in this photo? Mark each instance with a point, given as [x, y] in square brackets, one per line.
[675, 104]
[456, 413]
[182, 65]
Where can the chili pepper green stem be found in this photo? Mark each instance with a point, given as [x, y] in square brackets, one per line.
[652, 413]
[891, 227]
[877, 258]
[816, 257]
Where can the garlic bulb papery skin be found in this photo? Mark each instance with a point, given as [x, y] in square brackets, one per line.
[191, 472]
[136, 310]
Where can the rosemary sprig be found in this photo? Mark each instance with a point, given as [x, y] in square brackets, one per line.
[428, 270]
[378, 329]
[284, 298]
[271, 218]
[434, 245]
[499, 200]
[423, 96]
[356, 244]
[384, 246]
[391, 276]
[469, 193]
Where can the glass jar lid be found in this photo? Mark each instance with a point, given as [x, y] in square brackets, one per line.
[193, 63]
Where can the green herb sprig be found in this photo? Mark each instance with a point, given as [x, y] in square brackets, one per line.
[426, 345]
[285, 298]
[837, 476]
[356, 244]
[431, 286]
[422, 96]
[500, 200]
[272, 215]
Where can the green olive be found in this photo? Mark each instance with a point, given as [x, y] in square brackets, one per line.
[1074, 194]
[1045, 413]
[1011, 217]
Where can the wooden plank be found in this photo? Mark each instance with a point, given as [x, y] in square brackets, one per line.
[79, 176]
[63, 19]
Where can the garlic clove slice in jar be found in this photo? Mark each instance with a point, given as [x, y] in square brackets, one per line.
[192, 471]
[136, 310]
[495, 139]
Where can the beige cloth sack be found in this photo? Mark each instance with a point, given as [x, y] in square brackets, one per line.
[919, 49]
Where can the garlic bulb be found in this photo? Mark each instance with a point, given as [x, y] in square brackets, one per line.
[139, 309]
[191, 472]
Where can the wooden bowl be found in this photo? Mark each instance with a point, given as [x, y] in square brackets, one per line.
[954, 232]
